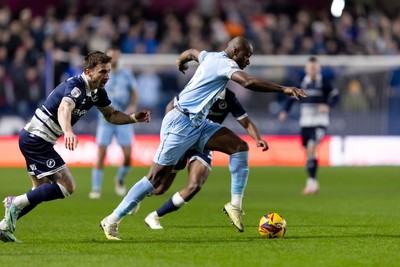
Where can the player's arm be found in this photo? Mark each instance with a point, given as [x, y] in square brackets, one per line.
[169, 107]
[185, 57]
[64, 114]
[253, 132]
[286, 108]
[260, 85]
[133, 104]
[117, 117]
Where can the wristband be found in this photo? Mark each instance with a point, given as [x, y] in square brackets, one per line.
[133, 116]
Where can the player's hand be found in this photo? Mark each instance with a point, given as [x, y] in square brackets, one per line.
[70, 140]
[143, 116]
[181, 67]
[263, 144]
[294, 92]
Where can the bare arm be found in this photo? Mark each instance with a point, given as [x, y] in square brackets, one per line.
[252, 130]
[117, 117]
[185, 57]
[133, 105]
[169, 107]
[64, 119]
[259, 85]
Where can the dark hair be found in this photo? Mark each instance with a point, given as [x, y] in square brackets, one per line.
[94, 58]
[312, 59]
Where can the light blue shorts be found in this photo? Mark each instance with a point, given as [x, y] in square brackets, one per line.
[177, 135]
[106, 131]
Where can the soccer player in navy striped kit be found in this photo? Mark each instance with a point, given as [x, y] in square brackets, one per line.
[186, 127]
[314, 117]
[66, 104]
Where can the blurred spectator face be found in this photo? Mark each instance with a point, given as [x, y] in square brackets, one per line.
[313, 68]
[115, 55]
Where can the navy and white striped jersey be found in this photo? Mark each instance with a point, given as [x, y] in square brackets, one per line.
[319, 91]
[44, 122]
[225, 104]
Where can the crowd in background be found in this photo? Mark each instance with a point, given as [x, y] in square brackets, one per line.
[33, 42]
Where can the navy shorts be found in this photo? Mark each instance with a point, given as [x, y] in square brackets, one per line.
[312, 134]
[41, 158]
[192, 155]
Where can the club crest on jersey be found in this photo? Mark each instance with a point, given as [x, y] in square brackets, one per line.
[50, 163]
[94, 97]
[222, 105]
[76, 92]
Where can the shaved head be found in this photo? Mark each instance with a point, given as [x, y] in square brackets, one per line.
[240, 50]
[240, 42]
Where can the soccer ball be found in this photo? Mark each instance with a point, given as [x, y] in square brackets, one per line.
[272, 225]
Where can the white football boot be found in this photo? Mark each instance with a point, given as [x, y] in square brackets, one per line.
[312, 187]
[153, 221]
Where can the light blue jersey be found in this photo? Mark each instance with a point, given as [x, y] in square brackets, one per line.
[210, 78]
[186, 126]
[119, 88]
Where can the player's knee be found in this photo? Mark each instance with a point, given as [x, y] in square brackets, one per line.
[194, 187]
[242, 146]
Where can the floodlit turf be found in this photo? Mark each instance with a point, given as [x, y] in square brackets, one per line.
[354, 221]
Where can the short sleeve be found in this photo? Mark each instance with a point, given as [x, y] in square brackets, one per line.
[202, 56]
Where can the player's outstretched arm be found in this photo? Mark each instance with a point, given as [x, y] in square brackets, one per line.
[185, 57]
[117, 117]
[252, 130]
[259, 85]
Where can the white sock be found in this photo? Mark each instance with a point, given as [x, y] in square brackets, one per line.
[21, 201]
[63, 190]
[236, 200]
[178, 200]
[113, 218]
[3, 225]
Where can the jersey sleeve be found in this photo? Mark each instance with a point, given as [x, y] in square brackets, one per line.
[202, 56]
[331, 93]
[237, 110]
[228, 67]
[103, 100]
[75, 91]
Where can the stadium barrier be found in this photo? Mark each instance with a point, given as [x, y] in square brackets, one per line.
[284, 151]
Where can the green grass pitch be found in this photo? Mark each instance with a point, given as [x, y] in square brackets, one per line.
[353, 221]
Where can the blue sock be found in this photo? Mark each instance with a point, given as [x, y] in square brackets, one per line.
[239, 168]
[312, 166]
[136, 194]
[45, 192]
[168, 207]
[26, 209]
[97, 179]
[122, 173]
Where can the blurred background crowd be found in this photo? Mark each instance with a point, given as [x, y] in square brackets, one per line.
[41, 44]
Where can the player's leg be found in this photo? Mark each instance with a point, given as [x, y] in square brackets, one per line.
[198, 171]
[226, 141]
[311, 139]
[176, 136]
[104, 135]
[98, 173]
[124, 134]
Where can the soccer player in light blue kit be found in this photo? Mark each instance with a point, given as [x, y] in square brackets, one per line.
[186, 127]
[67, 103]
[121, 90]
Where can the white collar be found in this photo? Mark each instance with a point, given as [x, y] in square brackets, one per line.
[88, 92]
[308, 79]
[222, 94]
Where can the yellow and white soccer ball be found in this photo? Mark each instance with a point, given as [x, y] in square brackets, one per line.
[272, 225]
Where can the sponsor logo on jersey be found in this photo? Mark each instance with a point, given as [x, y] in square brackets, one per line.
[50, 163]
[78, 112]
[76, 92]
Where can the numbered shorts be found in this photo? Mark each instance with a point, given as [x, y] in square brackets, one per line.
[312, 134]
[191, 155]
